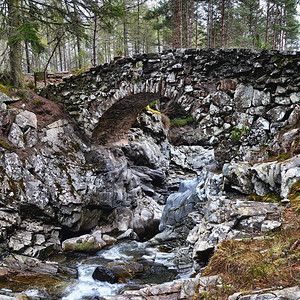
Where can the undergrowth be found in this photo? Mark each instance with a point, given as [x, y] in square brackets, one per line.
[295, 195]
[4, 90]
[269, 197]
[255, 264]
[182, 122]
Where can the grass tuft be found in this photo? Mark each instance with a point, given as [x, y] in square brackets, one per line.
[4, 90]
[295, 195]
[256, 264]
[269, 197]
[182, 122]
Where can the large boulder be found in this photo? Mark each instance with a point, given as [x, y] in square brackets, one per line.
[86, 243]
[104, 274]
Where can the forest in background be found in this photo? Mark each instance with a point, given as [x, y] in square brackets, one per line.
[52, 35]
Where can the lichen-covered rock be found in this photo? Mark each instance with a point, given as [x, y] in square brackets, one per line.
[290, 293]
[263, 178]
[86, 243]
[243, 96]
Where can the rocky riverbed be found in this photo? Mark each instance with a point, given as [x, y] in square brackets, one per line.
[151, 210]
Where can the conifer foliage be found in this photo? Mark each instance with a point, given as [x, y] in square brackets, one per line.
[53, 35]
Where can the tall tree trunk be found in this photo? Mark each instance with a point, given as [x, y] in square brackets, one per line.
[15, 53]
[27, 57]
[79, 52]
[125, 34]
[215, 31]
[227, 23]
[281, 30]
[190, 16]
[209, 24]
[284, 31]
[186, 8]
[95, 41]
[61, 65]
[275, 29]
[196, 30]
[158, 40]
[138, 27]
[267, 25]
[64, 57]
[223, 20]
[178, 22]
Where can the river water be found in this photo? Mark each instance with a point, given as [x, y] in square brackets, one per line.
[157, 267]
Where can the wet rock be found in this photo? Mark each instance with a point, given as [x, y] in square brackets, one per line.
[179, 289]
[124, 270]
[146, 217]
[104, 274]
[20, 265]
[262, 178]
[180, 204]
[4, 297]
[86, 243]
[193, 158]
[128, 234]
[109, 240]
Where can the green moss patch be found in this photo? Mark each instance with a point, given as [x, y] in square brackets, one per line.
[269, 197]
[182, 122]
[4, 90]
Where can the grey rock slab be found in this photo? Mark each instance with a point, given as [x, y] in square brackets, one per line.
[26, 119]
[282, 100]
[15, 136]
[277, 113]
[262, 123]
[261, 98]
[291, 293]
[295, 97]
[86, 243]
[238, 175]
[294, 116]
[5, 98]
[243, 96]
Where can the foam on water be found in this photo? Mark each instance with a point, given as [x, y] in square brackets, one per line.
[86, 286]
[121, 251]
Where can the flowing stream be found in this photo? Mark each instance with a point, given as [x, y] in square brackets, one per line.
[157, 267]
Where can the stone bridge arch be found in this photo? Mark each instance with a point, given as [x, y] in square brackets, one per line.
[219, 88]
[116, 122]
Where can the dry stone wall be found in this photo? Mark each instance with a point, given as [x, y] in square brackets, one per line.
[221, 89]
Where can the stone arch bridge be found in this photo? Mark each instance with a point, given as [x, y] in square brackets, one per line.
[219, 88]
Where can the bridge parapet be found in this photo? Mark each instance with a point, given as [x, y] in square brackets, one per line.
[219, 88]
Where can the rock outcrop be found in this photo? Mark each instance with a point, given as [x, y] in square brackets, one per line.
[80, 184]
